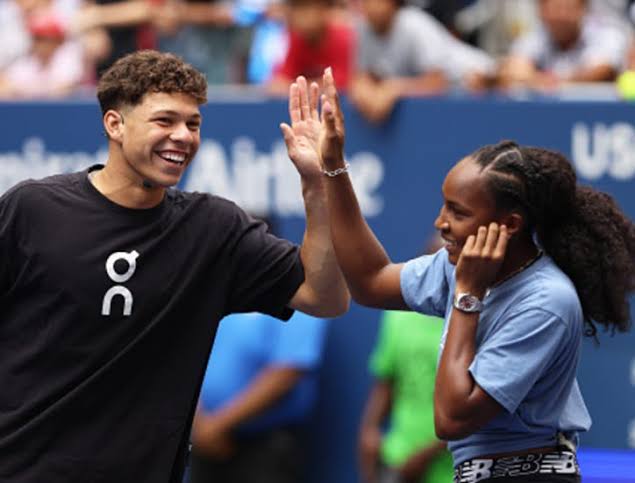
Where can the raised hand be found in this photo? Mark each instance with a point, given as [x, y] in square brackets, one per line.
[303, 135]
[331, 142]
[481, 259]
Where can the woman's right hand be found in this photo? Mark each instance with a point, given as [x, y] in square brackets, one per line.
[331, 142]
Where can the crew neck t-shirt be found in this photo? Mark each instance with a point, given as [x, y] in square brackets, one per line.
[527, 350]
[108, 316]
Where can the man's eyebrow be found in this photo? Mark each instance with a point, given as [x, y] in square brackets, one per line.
[170, 112]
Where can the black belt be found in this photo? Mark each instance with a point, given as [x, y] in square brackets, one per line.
[554, 462]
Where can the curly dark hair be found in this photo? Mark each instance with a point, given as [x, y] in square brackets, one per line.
[581, 229]
[134, 75]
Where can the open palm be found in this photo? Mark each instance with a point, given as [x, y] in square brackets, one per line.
[303, 135]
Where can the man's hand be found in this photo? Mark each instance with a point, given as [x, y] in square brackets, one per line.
[303, 135]
[418, 463]
[210, 437]
[369, 447]
[481, 259]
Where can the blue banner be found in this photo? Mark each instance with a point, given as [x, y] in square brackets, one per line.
[397, 169]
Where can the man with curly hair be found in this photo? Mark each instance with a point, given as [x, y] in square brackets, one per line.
[112, 285]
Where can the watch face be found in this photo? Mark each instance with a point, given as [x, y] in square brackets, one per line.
[468, 303]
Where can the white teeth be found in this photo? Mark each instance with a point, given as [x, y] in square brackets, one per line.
[178, 158]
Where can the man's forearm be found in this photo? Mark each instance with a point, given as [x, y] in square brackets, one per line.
[378, 404]
[270, 386]
[430, 83]
[211, 14]
[325, 288]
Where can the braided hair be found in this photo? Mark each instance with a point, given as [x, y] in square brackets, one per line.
[581, 229]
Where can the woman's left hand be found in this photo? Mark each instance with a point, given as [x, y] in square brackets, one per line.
[481, 259]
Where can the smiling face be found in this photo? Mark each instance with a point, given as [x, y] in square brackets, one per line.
[563, 19]
[467, 205]
[157, 138]
[380, 14]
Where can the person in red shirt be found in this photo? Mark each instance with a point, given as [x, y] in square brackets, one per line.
[318, 38]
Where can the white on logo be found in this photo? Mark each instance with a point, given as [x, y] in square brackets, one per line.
[131, 259]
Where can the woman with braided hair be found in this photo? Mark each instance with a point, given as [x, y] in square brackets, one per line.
[530, 257]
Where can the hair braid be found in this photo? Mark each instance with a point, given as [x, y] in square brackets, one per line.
[582, 230]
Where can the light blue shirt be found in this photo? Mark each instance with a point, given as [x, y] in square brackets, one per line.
[246, 344]
[527, 351]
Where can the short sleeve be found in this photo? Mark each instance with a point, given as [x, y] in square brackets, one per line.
[463, 59]
[432, 43]
[425, 283]
[8, 214]
[609, 46]
[300, 342]
[266, 270]
[290, 68]
[382, 359]
[532, 46]
[510, 361]
[363, 59]
[342, 63]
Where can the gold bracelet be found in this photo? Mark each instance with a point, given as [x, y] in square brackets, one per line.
[337, 172]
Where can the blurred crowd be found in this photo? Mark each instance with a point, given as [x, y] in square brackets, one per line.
[380, 50]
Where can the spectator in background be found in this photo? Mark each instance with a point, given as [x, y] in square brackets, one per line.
[570, 45]
[403, 51]
[123, 21]
[15, 37]
[258, 391]
[269, 44]
[404, 364]
[54, 67]
[317, 39]
[214, 37]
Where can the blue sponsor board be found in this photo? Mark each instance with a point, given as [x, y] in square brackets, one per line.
[397, 170]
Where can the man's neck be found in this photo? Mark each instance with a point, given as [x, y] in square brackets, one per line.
[126, 188]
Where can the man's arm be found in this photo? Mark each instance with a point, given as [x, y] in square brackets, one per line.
[324, 292]
[210, 431]
[118, 14]
[430, 83]
[602, 72]
[419, 462]
[375, 413]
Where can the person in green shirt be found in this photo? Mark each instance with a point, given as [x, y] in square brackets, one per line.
[404, 365]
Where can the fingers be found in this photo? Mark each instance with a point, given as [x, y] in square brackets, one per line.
[481, 236]
[491, 240]
[501, 244]
[333, 97]
[288, 135]
[294, 103]
[314, 96]
[328, 117]
[468, 246]
[305, 110]
[488, 242]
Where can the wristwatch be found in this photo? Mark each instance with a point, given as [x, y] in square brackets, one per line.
[466, 302]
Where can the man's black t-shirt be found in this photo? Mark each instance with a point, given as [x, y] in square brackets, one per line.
[107, 316]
